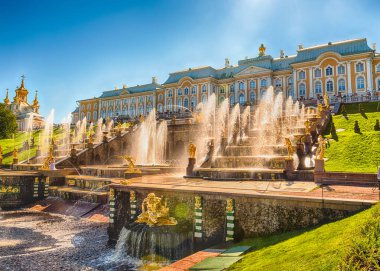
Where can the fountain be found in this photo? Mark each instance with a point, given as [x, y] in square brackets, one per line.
[249, 143]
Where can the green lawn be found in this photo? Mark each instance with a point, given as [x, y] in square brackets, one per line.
[351, 152]
[322, 248]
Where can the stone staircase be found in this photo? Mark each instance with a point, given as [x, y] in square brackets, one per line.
[82, 187]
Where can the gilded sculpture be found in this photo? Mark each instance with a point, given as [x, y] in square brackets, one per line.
[326, 100]
[48, 160]
[198, 202]
[262, 50]
[1, 152]
[192, 150]
[319, 110]
[132, 168]
[155, 212]
[307, 127]
[112, 194]
[289, 147]
[15, 153]
[230, 205]
[132, 196]
[321, 148]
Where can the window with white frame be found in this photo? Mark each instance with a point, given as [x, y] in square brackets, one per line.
[252, 96]
[378, 84]
[204, 99]
[169, 104]
[83, 107]
[88, 116]
[204, 88]
[302, 89]
[232, 100]
[290, 81]
[329, 71]
[301, 75]
[193, 90]
[179, 92]
[186, 91]
[170, 94]
[263, 82]
[341, 85]
[186, 103]
[341, 69]
[89, 107]
[378, 68]
[241, 85]
[193, 103]
[330, 86]
[95, 106]
[278, 83]
[317, 73]
[221, 89]
[95, 116]
[160, 108]
[318, 87]
[179, 102]
[252, 84]
[232, 88]
[360, 83]
[359, 67]
[241, 99]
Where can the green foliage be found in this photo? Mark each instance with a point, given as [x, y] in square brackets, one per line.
[8, 124]
[320, 248]
[354, 108]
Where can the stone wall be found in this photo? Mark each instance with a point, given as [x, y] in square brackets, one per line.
[254, 215]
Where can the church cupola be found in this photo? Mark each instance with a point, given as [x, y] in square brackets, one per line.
[21, 93]
[36, 104]
[6, 100]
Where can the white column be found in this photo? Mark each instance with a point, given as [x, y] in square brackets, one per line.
[154, 101]
[311, 89]
[295, 85]
[197, 89]
[369, 75]
[165, 98]
[209, 89]
[236, 92]
[175, 92]
[349, 87]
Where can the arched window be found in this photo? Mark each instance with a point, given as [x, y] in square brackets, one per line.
[359, 67]
[378, 68]
[241, 99]
[263, 82]
[169, 104]
[193, 103]
[302, 89]
[204, 99]
[160, 108]
[317, 73]
[179, 91]
[95, 116]
[141, 110]
[301, 75]
[318, 87]
[290, 81]
[221, 90]
[378, 84]
[252, 96]
[170, 94]
[330, 86]
[179, 102]
[360, 82]
[193, 90]
[186, 103]
[342, 85]
[204, 88]
[341, 69]
[232, 88]
[89, 107]
[232, 100]
[278, 83]
[329, 71]
[241, 86]
[149, 108]
[83, 107]
[252, 84]
[186, 91]
[263, 92]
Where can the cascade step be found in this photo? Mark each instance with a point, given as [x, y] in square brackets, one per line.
[88, 182]
[74, 193]
[271, 162]
[240, 174]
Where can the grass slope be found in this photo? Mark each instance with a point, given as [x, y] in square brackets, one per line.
[324, 248]
[351, 152]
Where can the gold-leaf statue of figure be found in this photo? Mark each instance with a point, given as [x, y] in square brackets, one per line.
[90, 138]
[119, 126]
[15, 153]
[112, 194]
[132, 196]
[198, 202]
[326, 100]
[307, 127]
[155, 212]
[289, 147]
[321, 148]
[319, 110]
[192, 150]
[131, 164]
[48, 160]
[142, 118]
[262, 50]
[1, 152]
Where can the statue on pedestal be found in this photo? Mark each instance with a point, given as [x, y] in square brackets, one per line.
[192, 150]
[321, 148]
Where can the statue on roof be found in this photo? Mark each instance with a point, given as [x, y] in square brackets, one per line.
[262, 50]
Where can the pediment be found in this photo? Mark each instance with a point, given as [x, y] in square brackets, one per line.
[253, 70]
[124, 92]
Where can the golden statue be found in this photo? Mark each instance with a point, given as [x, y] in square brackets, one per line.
[192, 150]
[132, 196]
[307, 127]
[230, 205]
[119, 126]
[326, 100]
[290, 148]
[262, 50]
[319, 110]
[48, 160]
[131, 164]
[321, 148]
[141, 118]
[15, 153]
[155, 212]
[198, 202]
[112, 194]
[90, 138]
[1, 152]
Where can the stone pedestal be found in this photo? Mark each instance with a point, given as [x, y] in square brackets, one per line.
[190, 166]
[319, 166]
[289, 164]
[128, 175]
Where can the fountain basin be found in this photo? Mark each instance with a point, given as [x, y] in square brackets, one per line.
[259, 174]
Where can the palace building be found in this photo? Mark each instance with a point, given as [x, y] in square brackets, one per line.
[344, 68]
[26, 114]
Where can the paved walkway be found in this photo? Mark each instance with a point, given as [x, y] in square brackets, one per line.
[175, 182]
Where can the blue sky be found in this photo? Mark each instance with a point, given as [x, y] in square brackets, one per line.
[75, 49]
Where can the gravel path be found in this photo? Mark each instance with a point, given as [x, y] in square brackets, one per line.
[41, 241]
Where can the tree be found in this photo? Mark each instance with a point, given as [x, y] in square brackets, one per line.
[8, 124]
